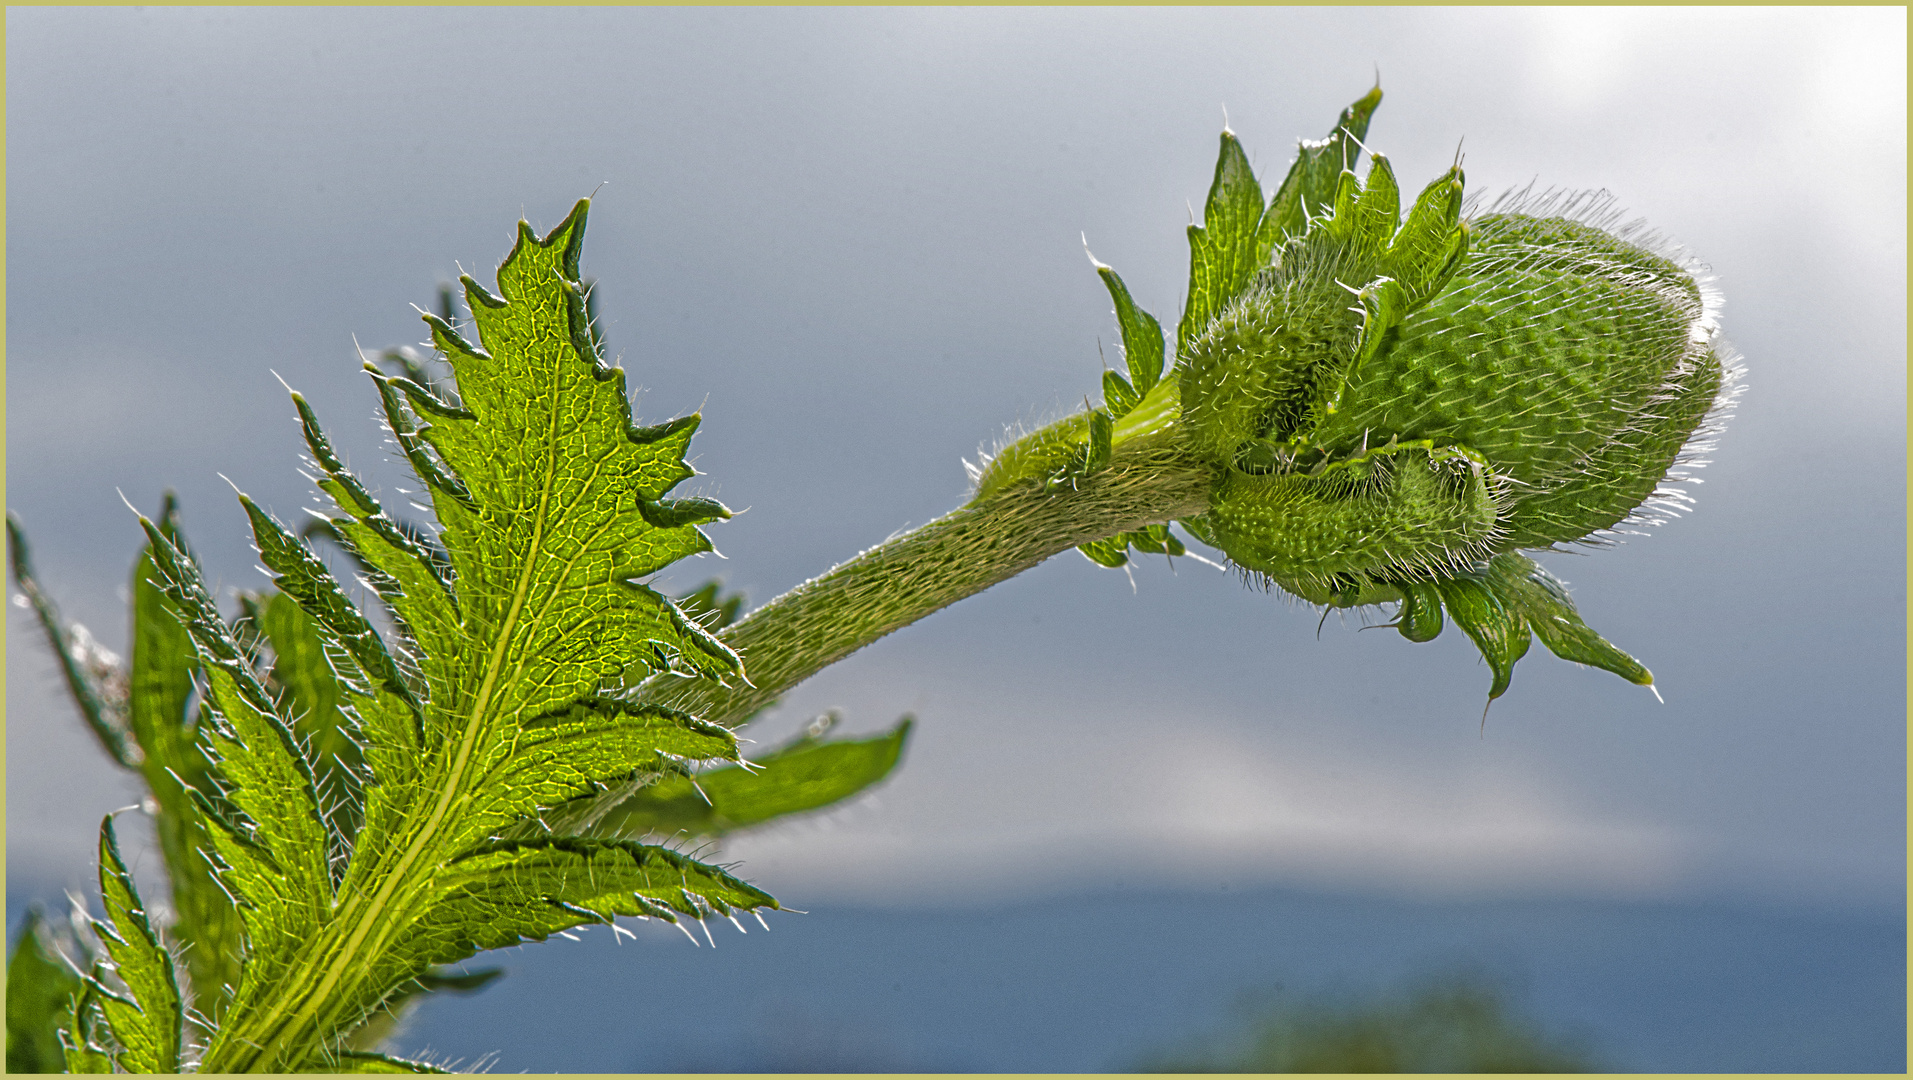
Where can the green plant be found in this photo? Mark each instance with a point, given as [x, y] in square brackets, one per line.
[1363, 409]
[1459, 1023]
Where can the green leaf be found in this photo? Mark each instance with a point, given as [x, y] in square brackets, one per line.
[277, 855]
[807, 775]
[40, 989]
[365, 1061]
[503, 689]
[705, 606]
[507, 892]
[163, 721]
[149, 1027]
[560, 478]
[300, 574]
[102, 717]
[383, 1022]
[574, 751]
[83, 1032]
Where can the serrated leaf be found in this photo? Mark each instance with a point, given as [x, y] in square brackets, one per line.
[501, 691]
[805, 776]
[278, 857]
[40, 988]
[150, 1026]
[366, 1061]
[576, 750]
[313, 699]
[301, 575]
[560, 479]
[83, 1032]
[385, 1020]
[512, 891]
[708, 608]
[164, 723]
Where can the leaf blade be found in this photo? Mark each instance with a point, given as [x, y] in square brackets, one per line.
[806, 776]
[150, 1027]
[39, 989]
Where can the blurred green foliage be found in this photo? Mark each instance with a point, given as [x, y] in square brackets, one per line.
[1452, 1023]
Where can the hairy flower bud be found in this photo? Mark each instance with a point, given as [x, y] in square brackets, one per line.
[1392, 406]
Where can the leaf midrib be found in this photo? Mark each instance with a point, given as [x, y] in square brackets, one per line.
[368, 916]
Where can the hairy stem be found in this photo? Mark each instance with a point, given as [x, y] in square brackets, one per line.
[1148, 480]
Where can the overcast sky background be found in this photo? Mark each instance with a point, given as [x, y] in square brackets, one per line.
[854, 239]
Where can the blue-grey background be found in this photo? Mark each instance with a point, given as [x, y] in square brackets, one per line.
[855, 240]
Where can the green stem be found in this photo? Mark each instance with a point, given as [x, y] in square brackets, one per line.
[1149, 480]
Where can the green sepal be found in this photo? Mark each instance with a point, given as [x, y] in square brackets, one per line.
[106, 723]
[1118, 396]
[1086, 457]
[1502, 606]
[1096, 450]
[1142, 335]
[1156, 540]
[40, 989]
[1150, 540]
[803, 776]
[1224, 252]
[1429, 247]
[1384, 301]
[1113, 552]
[149, 1027]
[1543, 602]
[1420, 616]
[1501, 634]
[1309, 188]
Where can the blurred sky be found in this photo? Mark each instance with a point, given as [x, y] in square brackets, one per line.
[854, 239]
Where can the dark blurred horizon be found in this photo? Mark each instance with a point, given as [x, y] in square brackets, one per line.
[1112, 981]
